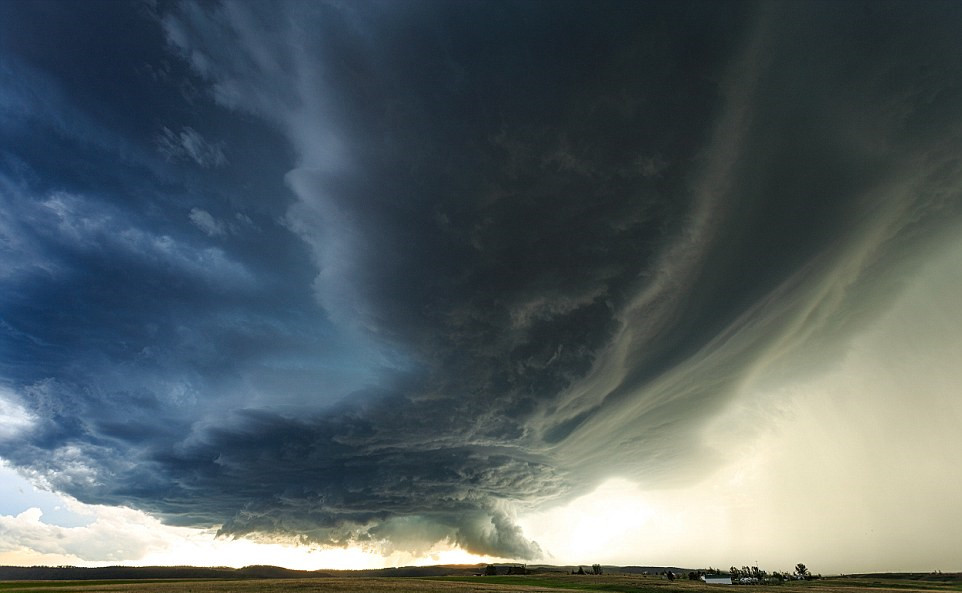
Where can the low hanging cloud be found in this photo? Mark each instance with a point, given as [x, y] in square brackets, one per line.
[521, 253]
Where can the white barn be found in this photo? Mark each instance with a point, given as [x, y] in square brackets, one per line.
[717, 579]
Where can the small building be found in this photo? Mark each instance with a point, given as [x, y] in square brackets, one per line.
[717, 579]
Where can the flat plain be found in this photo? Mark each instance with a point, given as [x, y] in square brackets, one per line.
[532, 583]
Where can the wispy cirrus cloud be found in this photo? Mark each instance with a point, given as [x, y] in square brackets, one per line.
[188, 144]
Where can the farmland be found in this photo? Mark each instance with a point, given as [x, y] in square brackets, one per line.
[529, 583]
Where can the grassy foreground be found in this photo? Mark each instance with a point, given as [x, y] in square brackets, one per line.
[531, 584]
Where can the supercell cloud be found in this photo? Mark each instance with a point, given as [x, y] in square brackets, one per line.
[393, 273]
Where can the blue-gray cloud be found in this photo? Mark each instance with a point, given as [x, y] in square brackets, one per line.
[189, 144]
[464, 259]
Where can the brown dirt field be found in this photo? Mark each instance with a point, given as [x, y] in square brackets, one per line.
[327, 585]
[531, 584]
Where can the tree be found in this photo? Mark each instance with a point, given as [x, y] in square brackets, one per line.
[802, 571]
[734, 572]
[670, 575]
[596, 568]
[581, 570]
[490, 570]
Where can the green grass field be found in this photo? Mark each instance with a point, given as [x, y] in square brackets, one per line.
[530, 583]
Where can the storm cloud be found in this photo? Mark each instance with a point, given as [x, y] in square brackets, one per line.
[391, 273]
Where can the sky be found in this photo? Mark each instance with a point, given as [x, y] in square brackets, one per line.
[361, 284]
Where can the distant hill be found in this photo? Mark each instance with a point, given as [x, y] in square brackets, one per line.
[128, 573]
[439, 570]
[608, 569]
[913, 576]
[76, 573]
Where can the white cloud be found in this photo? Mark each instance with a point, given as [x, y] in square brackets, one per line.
[115, 535]
[207, 223]
[91, 225]
[15, 419]
[189, 144]
[215, 227]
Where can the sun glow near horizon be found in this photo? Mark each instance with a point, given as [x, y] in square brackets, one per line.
[584, 528]
[173, 546]
[60, 534]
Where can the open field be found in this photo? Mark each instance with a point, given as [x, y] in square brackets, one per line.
[531, 583]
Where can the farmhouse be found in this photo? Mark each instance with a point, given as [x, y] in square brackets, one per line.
[717, 579]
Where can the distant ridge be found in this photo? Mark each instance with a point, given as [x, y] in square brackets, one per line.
[156, 573]
[131, 573]
[938, 576]
[76, 573]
